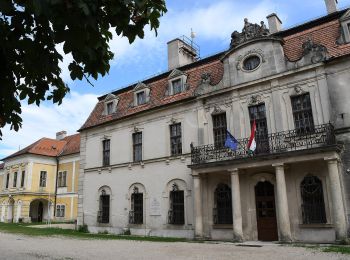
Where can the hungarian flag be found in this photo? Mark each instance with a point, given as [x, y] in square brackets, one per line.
[252, 143]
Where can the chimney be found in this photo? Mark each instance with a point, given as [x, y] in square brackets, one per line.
[61, 135]
[275, 23]
[331, 6]
[181, 52]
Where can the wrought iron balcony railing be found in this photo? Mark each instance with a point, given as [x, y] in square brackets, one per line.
[276, 143]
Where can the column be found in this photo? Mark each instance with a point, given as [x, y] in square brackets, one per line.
[282, 205]
[198, 205]
[337, 200]
[236, 206]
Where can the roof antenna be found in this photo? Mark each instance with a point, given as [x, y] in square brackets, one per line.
[193, 35]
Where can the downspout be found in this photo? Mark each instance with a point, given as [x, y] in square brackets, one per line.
[54, 209]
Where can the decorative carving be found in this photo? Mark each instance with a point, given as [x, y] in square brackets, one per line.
[175, 187]
[258, 52]
[249, 32]
[298, 90]
[135, 190]
[217, 110]
[205, 78]
[140, 86]
[317, 52]
[255, 99]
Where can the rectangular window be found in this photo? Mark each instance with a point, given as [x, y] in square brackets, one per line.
[302, 113]
[141, 98]
[177, 86]
[177, 208]
[175, 139]
[219, 129]
[258, 114]
[106, 152]
[15, 179]
[62, 179]
[60, 211]
[23, 177]
[103, 214]
[42, 179]
[109, 108]
[137, 146]
[7, 180]
[136, 215]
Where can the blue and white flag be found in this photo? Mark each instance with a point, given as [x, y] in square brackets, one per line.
[230, 141]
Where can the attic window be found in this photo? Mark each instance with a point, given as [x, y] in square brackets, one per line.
[141, 98]
[251, 63]
[177, 86]
[110, 104]
[109, 108]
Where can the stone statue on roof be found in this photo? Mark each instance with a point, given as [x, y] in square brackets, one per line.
[249, 32]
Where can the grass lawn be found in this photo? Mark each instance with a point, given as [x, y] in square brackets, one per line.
[25, 229]
[337, 249]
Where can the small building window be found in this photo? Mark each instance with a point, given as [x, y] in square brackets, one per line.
[60, 211]
[137, 146]
[251, 63]
[176, 214]
[223, 205]
[177, 86]
[62, 179]
[7, 180]
[136, 213]
[219, 129]
[313, 208]
[175, 139]
[23, 177]
[106, 152]
[15, 179]
[103, 213]
[110, 108]
[141, 98]
[302, 113]
[43, 176]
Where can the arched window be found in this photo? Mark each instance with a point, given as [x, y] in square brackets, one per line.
[223, 205]
[136, 212]
[103, 213]
[313, 208]
[176, 214]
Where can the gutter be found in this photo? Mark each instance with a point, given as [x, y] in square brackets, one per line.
[54, 209]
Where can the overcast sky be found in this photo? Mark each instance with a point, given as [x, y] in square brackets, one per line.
[212, 21]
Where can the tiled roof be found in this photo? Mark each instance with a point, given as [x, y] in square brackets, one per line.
[51, 147]
[324, 31]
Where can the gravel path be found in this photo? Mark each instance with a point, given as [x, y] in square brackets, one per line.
[24, 247]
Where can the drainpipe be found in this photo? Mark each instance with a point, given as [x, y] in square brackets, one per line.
[54, 207]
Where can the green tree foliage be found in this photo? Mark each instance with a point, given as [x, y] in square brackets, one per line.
[31, 29]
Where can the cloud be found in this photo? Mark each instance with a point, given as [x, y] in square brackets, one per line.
[46, 120]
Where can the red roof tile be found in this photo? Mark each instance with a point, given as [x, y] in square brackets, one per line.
[324, 31]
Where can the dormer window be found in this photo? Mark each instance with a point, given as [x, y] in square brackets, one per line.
[141, 98]
[177, 83]
[111, 102]
[177, 86]
[141, 94]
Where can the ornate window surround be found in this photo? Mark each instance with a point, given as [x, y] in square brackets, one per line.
[242, 58]
[110, 99]
[174, 76]
[141, 87]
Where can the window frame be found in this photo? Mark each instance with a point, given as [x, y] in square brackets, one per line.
[137, 208]
[62, 179]
[7, 180]
[219, 129]
[142, 94]
[220, 205]
[106, 152]
[23, 176]
[109, 108]
[15, 177]
[43, 179]
[104, 218]
[137, 146]
[60, 208]
[180, 87]
[175, 139]
[304, 114]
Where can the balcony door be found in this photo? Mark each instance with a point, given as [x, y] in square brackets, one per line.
[258, 114]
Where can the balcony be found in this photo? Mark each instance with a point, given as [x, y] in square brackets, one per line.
[271, 144]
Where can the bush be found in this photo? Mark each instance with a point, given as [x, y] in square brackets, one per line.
[83, 229]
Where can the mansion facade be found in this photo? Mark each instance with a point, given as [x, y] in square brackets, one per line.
[153, 159]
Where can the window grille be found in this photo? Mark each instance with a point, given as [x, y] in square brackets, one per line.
[23, 178]
[136, 213]
[15, 179]
[175, 139]
[219, 129]
[106, 152]
[176, 214]
[313, 208]
[302, 113]
[223, 205]
[103, 213]
[137, 146]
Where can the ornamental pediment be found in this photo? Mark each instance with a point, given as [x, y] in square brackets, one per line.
[249, 32]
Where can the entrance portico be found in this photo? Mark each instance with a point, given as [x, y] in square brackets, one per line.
[266, 198]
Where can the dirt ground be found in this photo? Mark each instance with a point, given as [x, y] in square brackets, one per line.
[62, 248]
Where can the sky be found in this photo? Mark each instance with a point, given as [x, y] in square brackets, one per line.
[212, 21]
